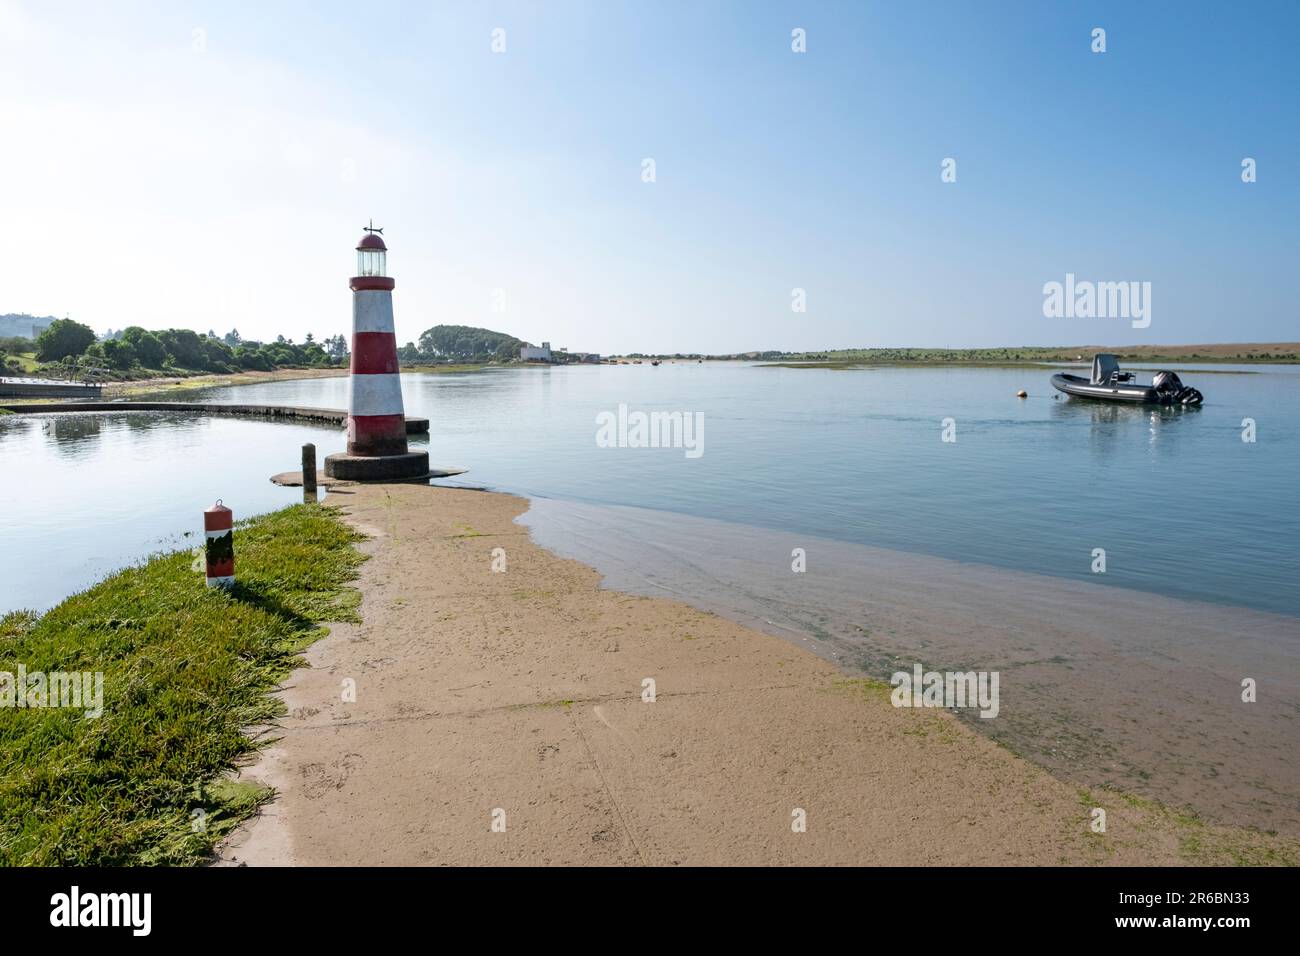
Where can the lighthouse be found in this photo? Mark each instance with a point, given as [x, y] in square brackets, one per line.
[376, 419]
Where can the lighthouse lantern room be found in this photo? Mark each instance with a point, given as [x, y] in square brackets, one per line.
[372, 256]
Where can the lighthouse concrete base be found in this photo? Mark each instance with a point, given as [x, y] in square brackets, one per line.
[412, 465]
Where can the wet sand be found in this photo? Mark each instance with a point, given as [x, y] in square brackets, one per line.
[1101, 685]
[518, 697]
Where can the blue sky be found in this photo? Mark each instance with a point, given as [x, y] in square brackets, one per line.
[209, 166]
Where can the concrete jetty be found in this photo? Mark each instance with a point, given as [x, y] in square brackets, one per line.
[48, 388]
[332, 416]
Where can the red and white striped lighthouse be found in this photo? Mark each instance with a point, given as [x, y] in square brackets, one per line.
[376, 419]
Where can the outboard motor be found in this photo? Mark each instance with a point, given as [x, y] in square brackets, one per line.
[1172, 391]
[1167, 383]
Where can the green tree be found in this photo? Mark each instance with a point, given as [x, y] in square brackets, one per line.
[278, 354]
[249, 357]
[148, 348]
[63, 338]
[118, 354]
[183, 348]
[464, 343]
[315, 355]
[17, 344]
[217, 355]
[337, 348]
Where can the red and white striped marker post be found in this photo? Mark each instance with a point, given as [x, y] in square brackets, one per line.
[218, 529]
[376, 417]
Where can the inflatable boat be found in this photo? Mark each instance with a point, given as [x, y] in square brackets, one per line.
[1109, 384]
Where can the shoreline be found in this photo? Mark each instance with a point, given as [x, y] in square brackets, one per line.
[522, 692]
[134, 388]
[1235, 353]
[145, 386]
[1104, 684]
[179, 383]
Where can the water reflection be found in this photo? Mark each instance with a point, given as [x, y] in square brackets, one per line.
[1112, 425]
[1112, 413]
[74, 436]
[66, 430]
[86, 494]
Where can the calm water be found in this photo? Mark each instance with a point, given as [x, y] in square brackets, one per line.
[1181, 505]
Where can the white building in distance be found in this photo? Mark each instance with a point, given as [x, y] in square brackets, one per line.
[530, 353]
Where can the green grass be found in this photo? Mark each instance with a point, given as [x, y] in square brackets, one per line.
[868, 688]
[27, 361]
[187, 670]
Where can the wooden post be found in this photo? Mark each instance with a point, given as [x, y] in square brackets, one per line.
[309, 472]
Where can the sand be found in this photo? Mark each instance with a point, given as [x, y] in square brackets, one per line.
[1099, 684]
[149, 386]
[517, 697]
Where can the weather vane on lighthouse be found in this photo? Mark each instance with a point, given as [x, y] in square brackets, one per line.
[371, 228]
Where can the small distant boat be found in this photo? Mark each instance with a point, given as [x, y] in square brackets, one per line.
[655, 362]
[1109, 384]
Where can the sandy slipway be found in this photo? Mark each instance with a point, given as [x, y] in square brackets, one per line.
[478, 692]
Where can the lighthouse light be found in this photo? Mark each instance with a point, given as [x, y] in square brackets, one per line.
[372, 262]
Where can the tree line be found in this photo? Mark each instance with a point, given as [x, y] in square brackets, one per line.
[69, 343]
[66, 344]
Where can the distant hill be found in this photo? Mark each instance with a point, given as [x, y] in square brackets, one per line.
[465, 343]
[1241, 352]
[20, 323]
